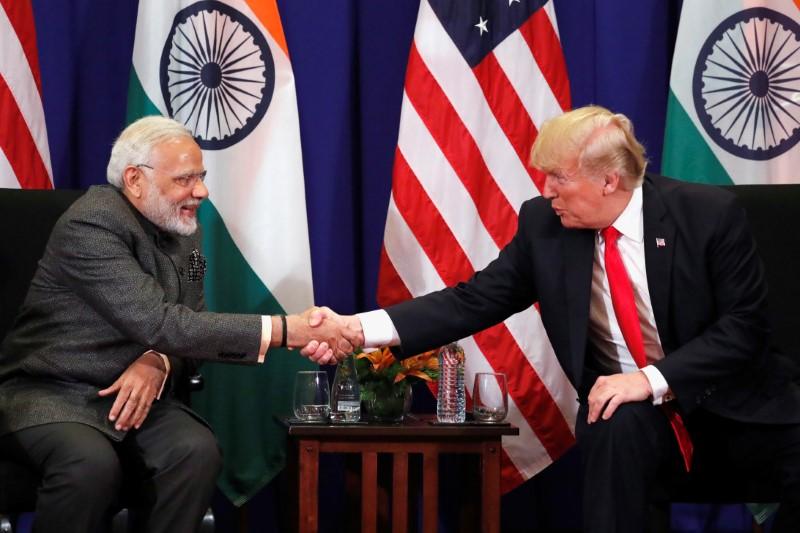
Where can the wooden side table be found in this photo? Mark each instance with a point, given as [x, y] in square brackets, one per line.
[416, 435]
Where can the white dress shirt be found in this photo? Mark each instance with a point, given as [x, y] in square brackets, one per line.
[604, 331]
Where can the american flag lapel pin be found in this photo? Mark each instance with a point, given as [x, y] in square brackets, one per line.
[660, 242]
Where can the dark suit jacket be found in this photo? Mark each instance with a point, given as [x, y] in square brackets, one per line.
[109, 287]
[706, 284]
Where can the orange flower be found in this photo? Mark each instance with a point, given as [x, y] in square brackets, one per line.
[381, 365]
[424, 366]
[380, 359]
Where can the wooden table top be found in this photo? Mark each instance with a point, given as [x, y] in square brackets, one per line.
[414, 426]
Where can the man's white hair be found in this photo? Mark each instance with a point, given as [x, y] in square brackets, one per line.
[134, 144]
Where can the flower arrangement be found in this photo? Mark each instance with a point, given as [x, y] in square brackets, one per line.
[386, 382]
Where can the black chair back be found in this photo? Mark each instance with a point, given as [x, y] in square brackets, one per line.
[26, 219]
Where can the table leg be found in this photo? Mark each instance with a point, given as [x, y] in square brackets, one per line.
[369, 492]
[308, 508]
[490, 491]
[430, 491]
[400, 492]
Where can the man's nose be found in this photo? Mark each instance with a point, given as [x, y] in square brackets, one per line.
[200, 190]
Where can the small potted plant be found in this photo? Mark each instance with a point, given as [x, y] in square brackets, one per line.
[386, 382]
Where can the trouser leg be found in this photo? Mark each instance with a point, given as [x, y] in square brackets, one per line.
[178, 465]
[80, 471]
[620, 459]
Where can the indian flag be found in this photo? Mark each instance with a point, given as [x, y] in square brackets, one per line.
[734, 104]
[223, 69]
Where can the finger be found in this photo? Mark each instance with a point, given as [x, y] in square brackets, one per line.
[596, 403]
[327, 359]
[612, 405]
[119, 402]
[316, 318]
[598, 408]
[110, 390]
[125, 417]
[141, 413]
[322, 350]
[309, 348]
[328, 312]
[323, 356]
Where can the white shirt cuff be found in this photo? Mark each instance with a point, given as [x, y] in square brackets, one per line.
[266, 336]
[657, 383]
[167, 369]
[378, 329]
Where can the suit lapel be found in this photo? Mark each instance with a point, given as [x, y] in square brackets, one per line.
[659, 250]
[578, 263]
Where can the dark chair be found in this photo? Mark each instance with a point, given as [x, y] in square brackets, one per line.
[772, 211]
[26, 219]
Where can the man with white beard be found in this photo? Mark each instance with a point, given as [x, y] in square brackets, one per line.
[114, 316]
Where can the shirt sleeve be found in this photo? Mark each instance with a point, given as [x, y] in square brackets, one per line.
[378, 329]
[266, 335]
[167, 369]
[659, 385]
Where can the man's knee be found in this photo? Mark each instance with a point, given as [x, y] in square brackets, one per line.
[92, 472]
[199, 451]
[628, 418]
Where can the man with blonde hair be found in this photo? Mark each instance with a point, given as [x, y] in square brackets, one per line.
[89, 372]
[653, 298]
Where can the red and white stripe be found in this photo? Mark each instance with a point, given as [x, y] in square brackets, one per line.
[24, 152]
[460, 177]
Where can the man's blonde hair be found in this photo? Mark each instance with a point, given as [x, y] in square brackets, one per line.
[593, 141]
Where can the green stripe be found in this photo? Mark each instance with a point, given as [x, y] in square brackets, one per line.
[241, 403]
[686, 155]
[139, 105]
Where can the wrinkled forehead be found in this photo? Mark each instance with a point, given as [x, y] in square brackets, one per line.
[176, 151]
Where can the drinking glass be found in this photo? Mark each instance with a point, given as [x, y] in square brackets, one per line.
[311, 396]
[489, 398]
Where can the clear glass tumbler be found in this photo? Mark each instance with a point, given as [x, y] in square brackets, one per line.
[489, 398]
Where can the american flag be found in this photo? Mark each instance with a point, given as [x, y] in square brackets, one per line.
[24, 152]
[482, 76]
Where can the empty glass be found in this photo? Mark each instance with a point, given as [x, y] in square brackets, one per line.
[489, 398]
[311, 396]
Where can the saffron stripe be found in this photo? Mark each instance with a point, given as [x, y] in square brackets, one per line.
[267, 12]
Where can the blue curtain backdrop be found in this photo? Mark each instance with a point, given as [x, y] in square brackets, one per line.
[349, 61]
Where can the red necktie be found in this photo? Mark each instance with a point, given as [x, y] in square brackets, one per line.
[628, 318]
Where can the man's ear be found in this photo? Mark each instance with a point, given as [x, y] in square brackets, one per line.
[611, 183]
[132, 181]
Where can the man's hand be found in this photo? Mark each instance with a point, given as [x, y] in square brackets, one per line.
[319, 348]
[136, 389]
[609, 392]
[324, 336]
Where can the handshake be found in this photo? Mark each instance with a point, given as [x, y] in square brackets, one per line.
[322, 335]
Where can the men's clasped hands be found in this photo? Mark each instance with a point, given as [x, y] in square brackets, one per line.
[324, 336]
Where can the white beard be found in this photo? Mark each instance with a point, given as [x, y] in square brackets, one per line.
[167, 215]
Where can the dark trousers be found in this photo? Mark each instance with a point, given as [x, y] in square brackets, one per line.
[624, 456]
[166, 470]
